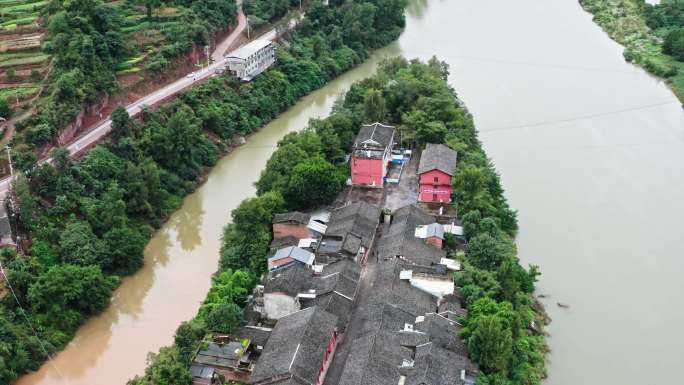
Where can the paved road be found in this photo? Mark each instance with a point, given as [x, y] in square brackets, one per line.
[223, 46]
[102, 129]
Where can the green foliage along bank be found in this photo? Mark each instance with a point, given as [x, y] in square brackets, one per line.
[91, 218]
[653, 35]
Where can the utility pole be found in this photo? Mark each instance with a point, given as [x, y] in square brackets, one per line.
[248, 27]
[206, 54]
[9, 194]
[9, 158]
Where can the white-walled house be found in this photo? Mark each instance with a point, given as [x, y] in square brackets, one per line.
[251, 59]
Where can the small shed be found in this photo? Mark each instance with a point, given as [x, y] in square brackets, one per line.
[289, 255]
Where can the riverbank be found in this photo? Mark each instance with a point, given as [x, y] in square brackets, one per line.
[149, 165]
[624, 22]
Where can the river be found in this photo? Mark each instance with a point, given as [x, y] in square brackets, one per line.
[590, 151]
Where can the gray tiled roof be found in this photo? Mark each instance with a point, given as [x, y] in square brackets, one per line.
[376, 132]
[358, 218]
[201, 371]
[374, 359]
[256, 335]
[439, 157]
[401, 238]
[335, 294]
[297, 346]
[291, 280]
[383, 357]
[293, 216]
[435, 366]
[338, 283]
[352, 243]
[285, 241]
[348, 268]
[337, 305]
[389, 289]
[225, 355]
[443, 332]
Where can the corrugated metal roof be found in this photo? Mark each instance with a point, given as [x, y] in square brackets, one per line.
[293, 252]
[249, 49]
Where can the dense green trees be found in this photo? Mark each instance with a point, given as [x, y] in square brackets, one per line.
[67, 293]
[667, 19]
[164, 368]
[263, 11]
[5, 109]
[674, 43]
[313, 182]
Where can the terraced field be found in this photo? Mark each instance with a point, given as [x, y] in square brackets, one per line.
[146, 37]
[22, 63]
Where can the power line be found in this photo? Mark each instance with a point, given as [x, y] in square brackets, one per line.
[524, 63]
[580, 117]
[28, 321]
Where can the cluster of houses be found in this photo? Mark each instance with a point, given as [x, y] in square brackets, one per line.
[399, 317]
[372, 154]
[251, 59]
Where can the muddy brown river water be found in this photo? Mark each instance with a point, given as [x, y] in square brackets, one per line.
[591, 153]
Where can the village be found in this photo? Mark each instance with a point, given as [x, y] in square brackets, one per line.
[362, 292]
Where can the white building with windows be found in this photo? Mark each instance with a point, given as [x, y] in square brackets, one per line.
[251, 59]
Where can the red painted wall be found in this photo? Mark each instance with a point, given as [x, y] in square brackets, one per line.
[329, 351]
[282, 230]
[367, 171]
[434, 241]
[435, 186]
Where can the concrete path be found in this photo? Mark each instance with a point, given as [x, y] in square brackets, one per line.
[225, 45]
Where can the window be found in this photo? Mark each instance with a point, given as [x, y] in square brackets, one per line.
[434, 197]
[436, 179]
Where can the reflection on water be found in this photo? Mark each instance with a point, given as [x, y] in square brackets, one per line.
[186, 224]
[416, 8]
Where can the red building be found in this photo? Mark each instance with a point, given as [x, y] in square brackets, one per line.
[436, 169]
[292, 224]
[371, 153]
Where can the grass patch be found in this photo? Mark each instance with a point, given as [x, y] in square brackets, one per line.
[132, 70]
[20, 93]
[16, 22]
[7, 3]
[129, 64]
[24, 60]
[23, 7]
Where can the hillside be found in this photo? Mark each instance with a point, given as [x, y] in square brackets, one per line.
[22, 62]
